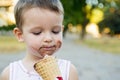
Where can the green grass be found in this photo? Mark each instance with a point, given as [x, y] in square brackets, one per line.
[111, 45]
[9, 44]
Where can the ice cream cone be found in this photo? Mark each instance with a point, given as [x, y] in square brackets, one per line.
[48, 68]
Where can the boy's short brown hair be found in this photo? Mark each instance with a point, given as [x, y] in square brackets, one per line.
[24, 5]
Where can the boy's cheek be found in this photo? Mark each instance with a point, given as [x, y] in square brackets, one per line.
[59, 43]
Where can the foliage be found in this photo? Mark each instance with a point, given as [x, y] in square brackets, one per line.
[7, 28]
[111, 17]
[113, 22]
[73, 11]
[75, 14]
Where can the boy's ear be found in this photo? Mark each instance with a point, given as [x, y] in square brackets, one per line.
[19, 35]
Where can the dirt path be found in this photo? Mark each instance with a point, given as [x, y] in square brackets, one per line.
[91, 64]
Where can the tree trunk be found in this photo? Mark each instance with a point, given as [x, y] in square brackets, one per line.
[82, 35]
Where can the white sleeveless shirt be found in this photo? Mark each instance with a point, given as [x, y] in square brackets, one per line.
[19, 72]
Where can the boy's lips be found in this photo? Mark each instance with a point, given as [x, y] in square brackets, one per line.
[48, 48]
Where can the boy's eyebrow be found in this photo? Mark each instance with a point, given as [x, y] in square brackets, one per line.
[57, 26]
[40, 27]
[35, 28]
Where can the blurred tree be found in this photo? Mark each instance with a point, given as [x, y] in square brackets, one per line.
[75, 13]
[7, 27]
[111, 16]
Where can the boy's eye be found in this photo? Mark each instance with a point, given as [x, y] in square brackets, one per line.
[55, 32]
[36, 33]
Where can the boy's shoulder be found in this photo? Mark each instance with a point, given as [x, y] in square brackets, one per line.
[71, 69]
[5, 74]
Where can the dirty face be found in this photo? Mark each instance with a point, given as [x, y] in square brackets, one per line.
[42, 31]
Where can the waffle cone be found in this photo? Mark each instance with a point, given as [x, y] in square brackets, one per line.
[48, 68]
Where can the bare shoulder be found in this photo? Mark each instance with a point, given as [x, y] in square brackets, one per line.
[73, 73]
[5, 74]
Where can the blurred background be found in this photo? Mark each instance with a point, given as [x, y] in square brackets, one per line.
[91, 37]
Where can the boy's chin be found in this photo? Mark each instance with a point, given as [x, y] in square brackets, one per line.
[49, 53]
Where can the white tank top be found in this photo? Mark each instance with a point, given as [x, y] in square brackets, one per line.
[19, 72]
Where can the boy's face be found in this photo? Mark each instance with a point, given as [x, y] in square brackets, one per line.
[41, 31]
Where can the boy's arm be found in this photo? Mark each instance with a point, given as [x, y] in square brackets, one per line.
[5, 74]
[73, 75]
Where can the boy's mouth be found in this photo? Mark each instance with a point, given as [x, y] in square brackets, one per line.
[48, 48]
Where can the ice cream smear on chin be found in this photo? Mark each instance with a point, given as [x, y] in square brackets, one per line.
[48, 68]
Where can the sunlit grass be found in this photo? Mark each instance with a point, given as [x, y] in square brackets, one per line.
[111, 45]
[9, 44]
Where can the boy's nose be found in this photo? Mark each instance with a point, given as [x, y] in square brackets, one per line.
[48, 38]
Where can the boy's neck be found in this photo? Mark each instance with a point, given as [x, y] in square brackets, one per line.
[31, 58]
[29, 61]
